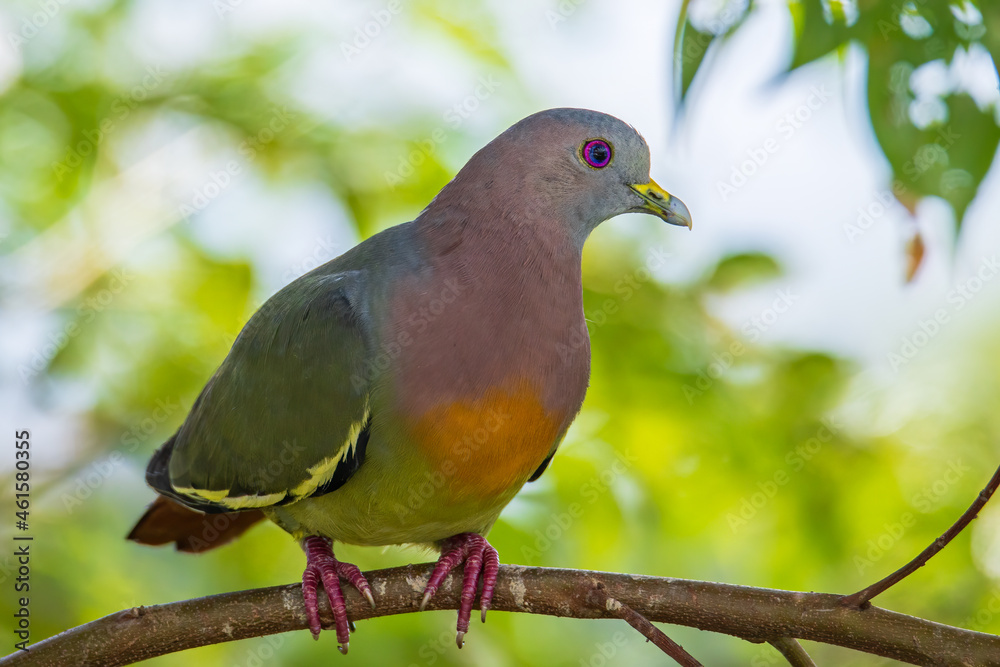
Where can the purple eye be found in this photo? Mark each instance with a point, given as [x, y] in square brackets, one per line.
[597, 153]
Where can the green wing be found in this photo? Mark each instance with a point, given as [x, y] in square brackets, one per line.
[286, 415]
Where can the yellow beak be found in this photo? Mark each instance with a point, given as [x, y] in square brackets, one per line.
[657, 201]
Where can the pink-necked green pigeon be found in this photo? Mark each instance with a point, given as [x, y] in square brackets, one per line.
[405, 391]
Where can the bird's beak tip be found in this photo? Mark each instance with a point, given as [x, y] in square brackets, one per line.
[659, 202]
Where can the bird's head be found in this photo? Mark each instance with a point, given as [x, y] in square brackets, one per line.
[577, 166]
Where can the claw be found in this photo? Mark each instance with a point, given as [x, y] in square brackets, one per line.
[481, 562]
[322, 567]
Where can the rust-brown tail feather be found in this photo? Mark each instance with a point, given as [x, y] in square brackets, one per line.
[168, 521]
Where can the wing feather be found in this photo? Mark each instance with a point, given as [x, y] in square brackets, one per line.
[287, 413]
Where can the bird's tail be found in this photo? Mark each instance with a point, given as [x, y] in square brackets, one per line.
[168, 521]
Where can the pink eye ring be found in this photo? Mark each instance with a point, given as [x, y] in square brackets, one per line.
[597, 153]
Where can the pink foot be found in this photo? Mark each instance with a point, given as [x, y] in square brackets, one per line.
[480, 559]
[322, 566]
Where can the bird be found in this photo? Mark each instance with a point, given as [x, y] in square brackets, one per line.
[405, 391]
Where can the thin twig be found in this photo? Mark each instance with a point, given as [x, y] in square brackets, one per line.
[793, 652]
[642, 624]
[862, 598]
[755, 614]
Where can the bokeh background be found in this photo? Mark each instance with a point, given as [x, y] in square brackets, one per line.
[803, 390]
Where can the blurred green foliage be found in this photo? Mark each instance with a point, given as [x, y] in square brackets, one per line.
[939, 140]
[698, 454]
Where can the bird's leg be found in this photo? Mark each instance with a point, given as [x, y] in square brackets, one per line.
[321, 566]
[481, 559]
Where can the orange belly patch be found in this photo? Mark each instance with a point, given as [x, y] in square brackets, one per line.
[488, 447]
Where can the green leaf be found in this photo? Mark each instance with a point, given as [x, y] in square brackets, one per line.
[691, 45]
[991, 38]
[688, 57]
[744, 270]
[815, 36]
[947, 159]
[970, 139]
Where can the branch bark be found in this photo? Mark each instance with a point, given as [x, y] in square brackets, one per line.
[755, 614]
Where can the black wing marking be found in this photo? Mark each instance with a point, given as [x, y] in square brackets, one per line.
[545, 464]
[346, 468]
[158, 477]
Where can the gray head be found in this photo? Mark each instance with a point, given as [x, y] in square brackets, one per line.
[577, 166]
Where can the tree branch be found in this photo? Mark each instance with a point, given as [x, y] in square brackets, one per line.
[755, 614]
[647, 629]
[793, 652]
[862, 597]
